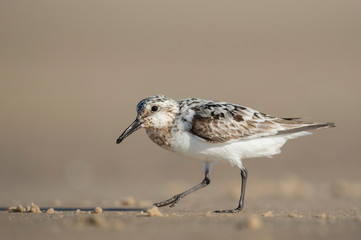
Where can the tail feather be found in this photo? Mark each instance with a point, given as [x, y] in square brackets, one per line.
[307, 128]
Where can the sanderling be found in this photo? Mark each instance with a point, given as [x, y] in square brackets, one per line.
[212, 132]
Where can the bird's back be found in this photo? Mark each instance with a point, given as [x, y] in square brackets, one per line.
[220, 122]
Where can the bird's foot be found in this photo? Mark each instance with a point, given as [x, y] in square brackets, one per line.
[172, 202]
[236, 210]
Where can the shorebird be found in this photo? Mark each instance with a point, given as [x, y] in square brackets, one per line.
[215, 132]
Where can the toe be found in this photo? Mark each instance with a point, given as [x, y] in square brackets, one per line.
[228, 211]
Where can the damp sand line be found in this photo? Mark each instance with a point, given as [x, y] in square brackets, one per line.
[74, 209]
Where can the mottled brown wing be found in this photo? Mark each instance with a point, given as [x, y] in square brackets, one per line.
[219, 123]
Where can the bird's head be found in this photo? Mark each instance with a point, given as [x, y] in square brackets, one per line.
[154, 112]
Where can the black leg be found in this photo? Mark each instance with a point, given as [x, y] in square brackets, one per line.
[244, 175]
[173, 201]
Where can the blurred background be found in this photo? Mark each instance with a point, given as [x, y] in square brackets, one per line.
[73, 71]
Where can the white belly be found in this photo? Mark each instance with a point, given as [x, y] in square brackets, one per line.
[189, 145]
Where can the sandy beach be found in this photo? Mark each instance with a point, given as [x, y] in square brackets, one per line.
[290, 208]
[72, 73]
[254, 223]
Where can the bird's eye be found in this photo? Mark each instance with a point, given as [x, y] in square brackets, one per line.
[154, 109]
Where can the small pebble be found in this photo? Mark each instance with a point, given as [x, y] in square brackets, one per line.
[12, 209]
[208, 214]
[34, 208]
[154, 212]
[96, 221]
[50, 210]
[253, 222]
[268, 214]
[128, 201]
[98, 210]
[294, 215]
[20, 208]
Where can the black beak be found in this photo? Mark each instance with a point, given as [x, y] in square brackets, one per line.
[132, 128]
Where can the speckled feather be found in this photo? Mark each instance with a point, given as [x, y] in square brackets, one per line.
[219, 122]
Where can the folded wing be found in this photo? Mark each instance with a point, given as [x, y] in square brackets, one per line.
[219, 122]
